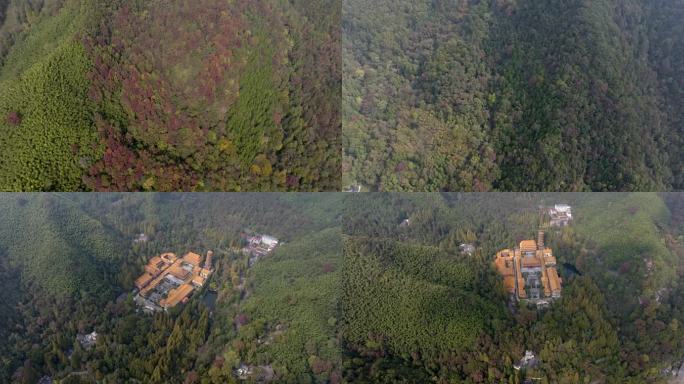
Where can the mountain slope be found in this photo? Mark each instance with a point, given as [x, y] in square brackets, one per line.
[512, 95]
[409, 300]
[415, 308]
[57, 247]
[180, 96]
[68, 263]
[297, 289]
[45, 115]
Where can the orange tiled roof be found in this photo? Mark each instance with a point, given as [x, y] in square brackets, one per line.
[545, 283]
[177, 295]
[151, 286]
[530, 262]
[528, 245]
[521, 288]
[199, 280]
[192, 258]
[554, 280]
[143, 280]
[168, 264]
[505, 260]
[155, 265]
[177, 271]
[509, 283]
[504, 266]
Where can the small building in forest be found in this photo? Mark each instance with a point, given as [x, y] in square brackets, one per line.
[87, 341]
[527, 361]
[560, 215]
[258, 246]
[269, 241]
[353, 188]
[265, 242]
[467, 248]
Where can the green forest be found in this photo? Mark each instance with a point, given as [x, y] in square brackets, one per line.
[513, 95]
[203, 95]
[68, 262]
[415, 308]
[363, 288]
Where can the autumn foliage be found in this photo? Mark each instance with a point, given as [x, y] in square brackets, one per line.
[170, 95]
[204, 95]
[14, 118]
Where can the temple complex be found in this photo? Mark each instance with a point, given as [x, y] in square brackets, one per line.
[169, 280]
[529, 271]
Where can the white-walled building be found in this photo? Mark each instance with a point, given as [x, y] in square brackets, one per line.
[269, 241]
[560, 215]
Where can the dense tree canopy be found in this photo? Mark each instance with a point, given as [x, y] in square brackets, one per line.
[513, 95]
[417, 309]
[389, 298]
[68, 262]
[188, 95]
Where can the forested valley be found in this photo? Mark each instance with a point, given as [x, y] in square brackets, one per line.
[68, 264]
[513, 95]
[201, 95]
[361, 288]
[416, 308]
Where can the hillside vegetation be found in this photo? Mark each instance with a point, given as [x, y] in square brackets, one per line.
[299, 288]
[182, 96]
[513, 95]
[409, 300]
[68, 262]
[58, 247]
[417, 309]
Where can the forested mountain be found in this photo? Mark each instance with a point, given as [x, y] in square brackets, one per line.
[513, 95]
[388, 298]
[417, 309]
[169, 96]
[68, 262]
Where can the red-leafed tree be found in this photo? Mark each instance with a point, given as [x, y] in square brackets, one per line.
[14, 118]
